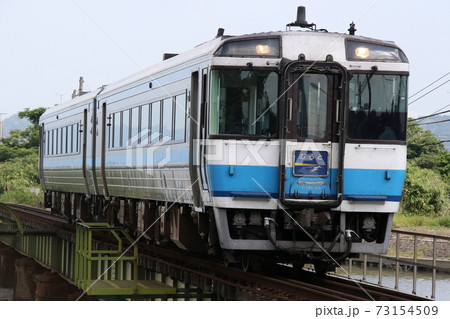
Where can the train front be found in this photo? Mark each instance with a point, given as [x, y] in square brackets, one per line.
[306, 150]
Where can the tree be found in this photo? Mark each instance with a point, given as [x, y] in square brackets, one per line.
[426, 190]
[20, 142]
[19, 161]
[32, 115]
[424, 149]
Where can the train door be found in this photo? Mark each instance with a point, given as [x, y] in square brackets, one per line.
[89, 148]
[84, 127]
[312, 150]
[197, 135]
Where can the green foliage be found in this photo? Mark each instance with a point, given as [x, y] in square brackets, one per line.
[32, 115]
[402, 220]
[9, 153]
[29, 137]
[19, 162]
[427, 185]
[424, 149]
[22, 196]
[18, 173]
[424, 192]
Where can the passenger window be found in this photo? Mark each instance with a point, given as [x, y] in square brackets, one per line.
[63, 140]
[167, 119]
[69, 139]
[156, 118]
[116, 129]
[180, 117]
[77, 145]
[56, 141]
[145, 116]
[134, 138]
[47, 141]
[125, 128]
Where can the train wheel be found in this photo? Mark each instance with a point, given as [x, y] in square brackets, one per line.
[298, 265]
[321, 268]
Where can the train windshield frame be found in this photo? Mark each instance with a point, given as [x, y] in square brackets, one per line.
[244, 103]
[377, 107]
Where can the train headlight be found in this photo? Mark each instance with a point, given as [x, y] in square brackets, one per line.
[262, 49]
[257, 48]
[368, 51]
[362, 52]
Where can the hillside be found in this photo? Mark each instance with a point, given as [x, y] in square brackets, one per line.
[440, 130]
[14, 122]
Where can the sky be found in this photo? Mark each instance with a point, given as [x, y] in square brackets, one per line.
[45, 46]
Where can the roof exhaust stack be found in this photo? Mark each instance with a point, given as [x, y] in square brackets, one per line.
[301, 17]
[301, 21]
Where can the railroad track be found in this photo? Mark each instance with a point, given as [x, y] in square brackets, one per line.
[278, 282]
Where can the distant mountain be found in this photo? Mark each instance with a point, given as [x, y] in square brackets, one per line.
[441, 130]
[14, 122]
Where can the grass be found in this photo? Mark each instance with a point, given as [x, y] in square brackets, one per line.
[421, 222]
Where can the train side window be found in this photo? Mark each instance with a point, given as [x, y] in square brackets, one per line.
[180, 117]
[63, 140]
[47, 142]
[56, 141]
[156, 122]
[70, 139]
[125, 128]
[135, 122]
[52, 144]
[78, 133]
[167, 119]
[145, 117]
[116, 129]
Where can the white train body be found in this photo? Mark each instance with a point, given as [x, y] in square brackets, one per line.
[272, 142]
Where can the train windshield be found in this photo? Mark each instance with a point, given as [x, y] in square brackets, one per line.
[243, 103]
[377, 107]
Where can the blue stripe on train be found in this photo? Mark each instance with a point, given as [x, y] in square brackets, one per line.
[259, 181]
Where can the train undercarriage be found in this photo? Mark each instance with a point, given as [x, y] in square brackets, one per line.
[251, 238]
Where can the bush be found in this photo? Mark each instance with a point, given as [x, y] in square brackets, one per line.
[424, 193]
[22, 196]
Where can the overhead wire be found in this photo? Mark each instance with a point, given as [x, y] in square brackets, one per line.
[422, 96]
[433, 114]
[429, 85]
[435, 122]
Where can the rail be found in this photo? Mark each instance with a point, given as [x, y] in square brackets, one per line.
[410, 250]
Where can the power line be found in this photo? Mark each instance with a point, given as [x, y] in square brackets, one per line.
[432, 114]
[437, 87]
[434, 122]
[429, 85]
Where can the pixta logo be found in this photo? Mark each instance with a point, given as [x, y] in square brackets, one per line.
[148, 152]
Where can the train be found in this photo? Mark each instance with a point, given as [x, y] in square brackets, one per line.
[285, 146]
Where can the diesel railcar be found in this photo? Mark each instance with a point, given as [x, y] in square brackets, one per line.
[289, 145]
